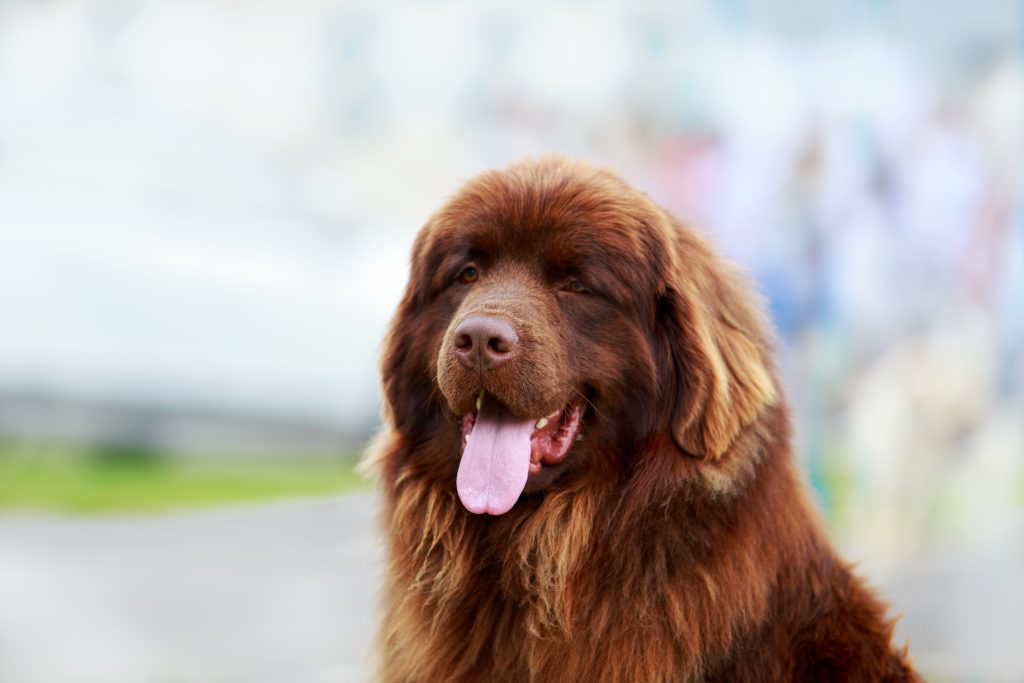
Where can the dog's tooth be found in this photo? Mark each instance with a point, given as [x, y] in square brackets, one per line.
[552, 415]
[467, 438]
[542, 423]
[479, 400]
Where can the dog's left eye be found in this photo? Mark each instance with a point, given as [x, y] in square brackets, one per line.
[575, 286]
[469, 274]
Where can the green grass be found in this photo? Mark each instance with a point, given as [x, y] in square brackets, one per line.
[117, 479]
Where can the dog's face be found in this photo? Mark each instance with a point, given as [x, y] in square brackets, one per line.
[552, 324]
[548, 339]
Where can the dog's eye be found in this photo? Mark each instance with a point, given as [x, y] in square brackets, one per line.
[469, 274]
[575, 286]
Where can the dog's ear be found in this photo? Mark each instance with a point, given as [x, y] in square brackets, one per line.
[721, 378]
[406, 359]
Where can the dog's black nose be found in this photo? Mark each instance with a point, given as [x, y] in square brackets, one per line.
[483, 342]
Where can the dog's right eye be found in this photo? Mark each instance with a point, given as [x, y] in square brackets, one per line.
[576, 287]
[469, 274]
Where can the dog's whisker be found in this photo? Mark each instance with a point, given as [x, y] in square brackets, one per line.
[589, 402]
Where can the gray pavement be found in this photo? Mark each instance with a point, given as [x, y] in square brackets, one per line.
[287, 592]
[278, 592]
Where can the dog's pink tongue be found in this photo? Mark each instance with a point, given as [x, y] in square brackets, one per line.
[496, 460]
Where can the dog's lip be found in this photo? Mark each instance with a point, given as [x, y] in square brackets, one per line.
[552, 438]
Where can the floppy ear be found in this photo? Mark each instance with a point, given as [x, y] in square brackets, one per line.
[407, 356]
[718, 348]
[404, 369]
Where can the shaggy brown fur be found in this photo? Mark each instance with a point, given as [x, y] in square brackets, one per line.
[675, 542]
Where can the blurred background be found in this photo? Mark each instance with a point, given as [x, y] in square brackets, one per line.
[206, 209]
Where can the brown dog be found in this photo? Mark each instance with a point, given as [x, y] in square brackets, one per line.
[573, 361]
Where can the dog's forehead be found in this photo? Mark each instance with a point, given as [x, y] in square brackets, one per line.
[562, 221]
[562, 226]
[550, 242]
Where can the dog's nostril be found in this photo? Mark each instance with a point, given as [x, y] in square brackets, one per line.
[463, 342]
[500, 344]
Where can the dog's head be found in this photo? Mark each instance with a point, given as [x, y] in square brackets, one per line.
[555, 320]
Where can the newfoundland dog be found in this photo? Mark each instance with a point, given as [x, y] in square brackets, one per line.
[587, 461]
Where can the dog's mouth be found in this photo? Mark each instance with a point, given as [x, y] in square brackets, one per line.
[500, 451]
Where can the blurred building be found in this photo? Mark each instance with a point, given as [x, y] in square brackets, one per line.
[209, 205]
